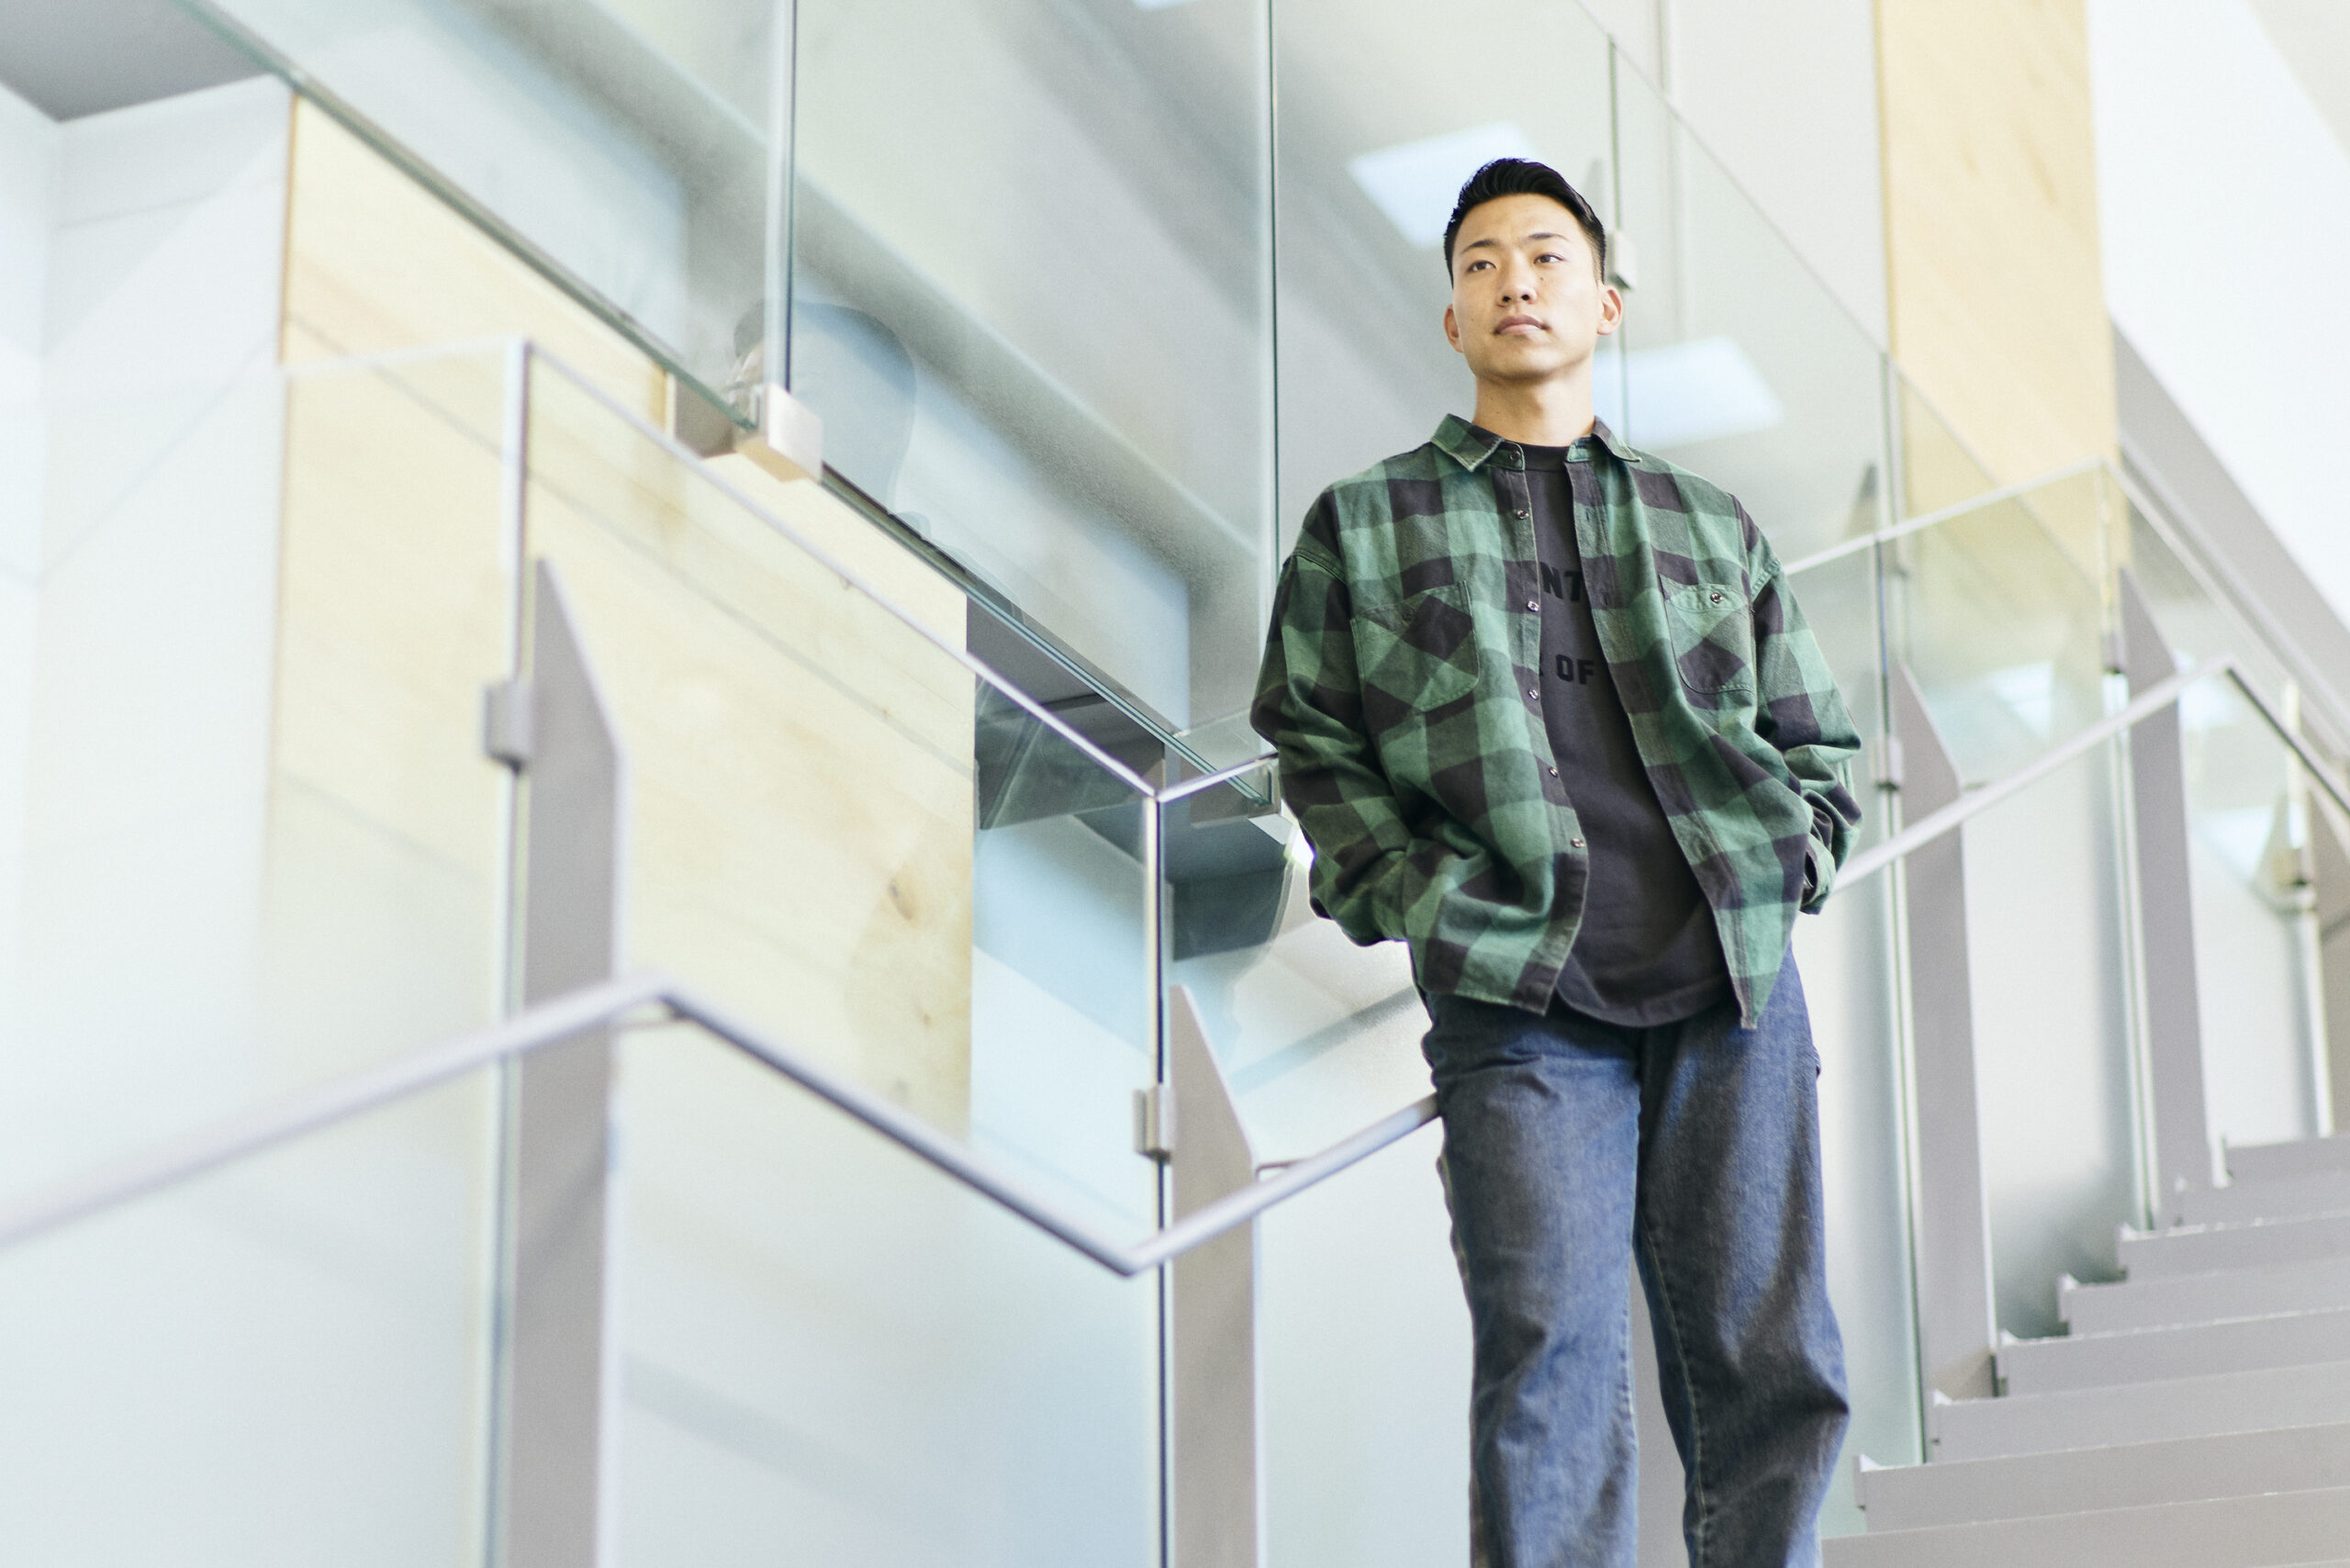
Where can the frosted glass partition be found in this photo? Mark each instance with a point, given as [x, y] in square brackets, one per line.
[632, 148]
[290, 1359]
[2256, 938]
[2001, 613]
[844, 832]
[1737, 359]
[1031, 299]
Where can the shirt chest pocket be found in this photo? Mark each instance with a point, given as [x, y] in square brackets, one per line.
[1713, 637]
[1415, 655]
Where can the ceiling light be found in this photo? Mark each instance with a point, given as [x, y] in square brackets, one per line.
[1415, 182]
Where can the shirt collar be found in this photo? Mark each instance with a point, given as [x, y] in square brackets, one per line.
[1471, 447]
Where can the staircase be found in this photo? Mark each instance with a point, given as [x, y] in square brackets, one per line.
[2196, 1415]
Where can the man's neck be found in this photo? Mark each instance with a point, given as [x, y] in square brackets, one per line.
[1553, 412]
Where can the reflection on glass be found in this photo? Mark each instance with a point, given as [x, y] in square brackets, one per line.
[2000, 614]
[1738, 363]
[1385, 110]
[1032, 290]
[627, 141]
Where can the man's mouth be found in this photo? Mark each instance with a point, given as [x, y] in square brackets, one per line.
[1514, 323]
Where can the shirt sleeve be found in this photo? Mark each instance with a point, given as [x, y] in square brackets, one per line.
[1800, 713]
[1309, 706]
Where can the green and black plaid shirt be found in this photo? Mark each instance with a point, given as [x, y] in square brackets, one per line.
[1399, 689]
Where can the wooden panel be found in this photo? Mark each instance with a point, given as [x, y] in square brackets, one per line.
[374, 262]
[801, 759]
[1997, 301]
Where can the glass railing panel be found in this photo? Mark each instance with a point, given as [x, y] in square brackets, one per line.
[1032, 301]
[253, 777]
[1737, 362]
[1385, 110]
[1365, 1441]
[1846, 956]
[1999, 613]
[288, 1359]
[2047, 947]
[1939, 470]
[853, 840]
[2196, 619]
[631, 146]
[2257, 940]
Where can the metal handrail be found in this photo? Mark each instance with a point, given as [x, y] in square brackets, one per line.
[1926, 830]
[548, 1022]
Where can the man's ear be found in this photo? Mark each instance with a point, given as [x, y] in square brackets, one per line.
[1452, 329]
[1611, 309]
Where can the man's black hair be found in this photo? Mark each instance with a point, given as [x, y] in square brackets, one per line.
[1523, 176]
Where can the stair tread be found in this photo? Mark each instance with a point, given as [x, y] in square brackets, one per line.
[2289, 1196]
[2271, 1529]
[1951, 1491]
[2310, 1285]
[2203, 1405]
[2215, 1248]
[2296, 1158]
[2178, 1351]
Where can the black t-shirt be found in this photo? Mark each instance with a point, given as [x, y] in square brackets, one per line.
[1647, 952]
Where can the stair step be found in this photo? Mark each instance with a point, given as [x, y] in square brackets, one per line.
[2273, 1531]
[2128, 1475]
[2204, 1249]
[2209, 1405]
[2316, 1286]
[2267, 1197]
[2303, 1157]
[2153, 1355]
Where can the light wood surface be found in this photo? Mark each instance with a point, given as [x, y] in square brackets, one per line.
[376, 262]
[801, 823]
[1996, 297]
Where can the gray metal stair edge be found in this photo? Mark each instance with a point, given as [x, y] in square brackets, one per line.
[1920, 1497]
[2267, 1197]
[2204, 1249]
[2316, 1286]
[2151, 1355]
[2269, 1530]
[2301, 1157]
[2142, 1412]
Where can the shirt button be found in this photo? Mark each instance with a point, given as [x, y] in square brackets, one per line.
[1554, 773]
[1523, 512]
[1576, 843]
[1532, 695]
[1533, 604]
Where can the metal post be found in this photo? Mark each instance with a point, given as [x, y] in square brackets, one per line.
[1956, 1324]
[561, 1397]
[2182, 1154]
[1216, 1495]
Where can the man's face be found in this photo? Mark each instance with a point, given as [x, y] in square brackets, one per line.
[1528, 304]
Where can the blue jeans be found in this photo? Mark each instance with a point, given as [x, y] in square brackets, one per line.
[1572, 1147]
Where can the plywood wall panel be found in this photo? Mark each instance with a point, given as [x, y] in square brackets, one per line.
[1996, 294]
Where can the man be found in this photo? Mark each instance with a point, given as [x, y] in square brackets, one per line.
[1547, 712]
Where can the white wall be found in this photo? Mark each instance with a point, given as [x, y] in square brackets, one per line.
[28, 165]
[2225, 202]
[148, 541]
